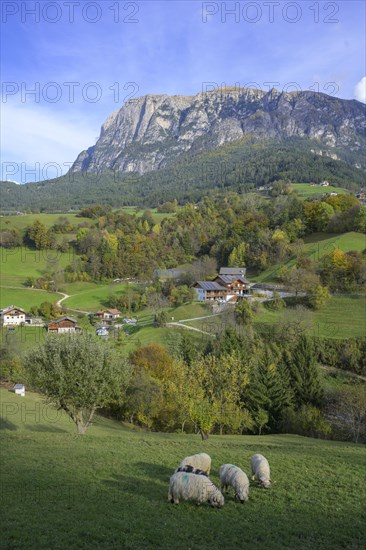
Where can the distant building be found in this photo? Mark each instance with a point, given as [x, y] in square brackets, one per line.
[19, 389]
[12, 315]
[34, 321]
[108, 315]
[235, 271]
[63, 325]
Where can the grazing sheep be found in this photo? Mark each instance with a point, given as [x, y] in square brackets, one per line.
[201, 461]
[231, 475]
[260, 470]
[188, 486]
[191, 470]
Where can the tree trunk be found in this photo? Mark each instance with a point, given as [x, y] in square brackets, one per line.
[221, 429]
[183, 424]
[203, 434]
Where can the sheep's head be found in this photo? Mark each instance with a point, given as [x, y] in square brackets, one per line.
[217, 499]
[242, 497]
[266, 483]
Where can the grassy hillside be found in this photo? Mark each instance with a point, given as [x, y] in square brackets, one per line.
[109, 488]
[26, 298]
[317, 245]
[306, 190]
[18, 264]
[22, 221]
[342, 317]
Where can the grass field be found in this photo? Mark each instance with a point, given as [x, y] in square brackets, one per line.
[108, 489]
[342, 317]
[18, 264]
[157, 216]
[317, 246]
[26, 298]
[22, 221]
[91, 296]
[305, 190]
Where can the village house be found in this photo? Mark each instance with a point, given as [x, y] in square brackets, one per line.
[108, 315]
[63, 325]
[12, 315]
[229, 286]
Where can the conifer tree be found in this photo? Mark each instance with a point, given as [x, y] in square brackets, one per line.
[304, 373]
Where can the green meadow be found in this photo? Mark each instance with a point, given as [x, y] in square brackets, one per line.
[306, 191]
[22, 221]
[26, 298]
[315, 247]
[17, 264]
[108, 489]
[342, 317]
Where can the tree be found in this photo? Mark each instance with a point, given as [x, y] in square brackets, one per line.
[144, 397]
[360, 220]
[79, 374]
[350, 411]
[319, 297]
[270, 390]
[301, 280]
[243, 312]
[304, 372]
[261, 420]
[37, 235]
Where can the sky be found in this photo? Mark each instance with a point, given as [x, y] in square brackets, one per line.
[66, 65]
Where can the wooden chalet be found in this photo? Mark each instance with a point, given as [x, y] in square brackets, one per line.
[63, 325]
[108, 315]
[228, 286]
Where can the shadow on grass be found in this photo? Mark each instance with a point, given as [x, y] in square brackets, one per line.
[44, 428]
[156, 471]
[5, 424]
[122, 485]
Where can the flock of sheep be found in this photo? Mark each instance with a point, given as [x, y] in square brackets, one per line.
[190, 480]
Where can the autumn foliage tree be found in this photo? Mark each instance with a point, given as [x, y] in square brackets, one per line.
[78, 374]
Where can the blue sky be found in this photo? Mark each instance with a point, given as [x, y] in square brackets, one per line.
[84, 59]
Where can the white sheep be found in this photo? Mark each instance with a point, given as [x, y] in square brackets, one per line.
[201, 461]
[231, 475]
[198, 488]
[191, 470]
[260, 470]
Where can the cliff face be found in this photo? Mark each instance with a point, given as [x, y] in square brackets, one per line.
[151, 132]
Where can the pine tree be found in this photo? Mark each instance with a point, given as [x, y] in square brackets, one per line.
[270, 389]
[304, 373]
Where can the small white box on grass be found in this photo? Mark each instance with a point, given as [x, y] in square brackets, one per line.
[19, 389]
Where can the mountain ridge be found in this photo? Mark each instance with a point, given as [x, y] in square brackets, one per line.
[150, 132]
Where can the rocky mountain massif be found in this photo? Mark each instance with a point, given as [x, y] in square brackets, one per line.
[152, 132]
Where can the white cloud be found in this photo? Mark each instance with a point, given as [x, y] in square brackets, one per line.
[34, 138]
[360, 90]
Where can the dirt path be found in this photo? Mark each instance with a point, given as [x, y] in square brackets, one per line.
[345, 372]
[179, 325]
[58, 303]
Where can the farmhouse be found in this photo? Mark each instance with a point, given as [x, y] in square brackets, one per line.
[108, 315]
[12, 315]
[228, 286]
[63, 325]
